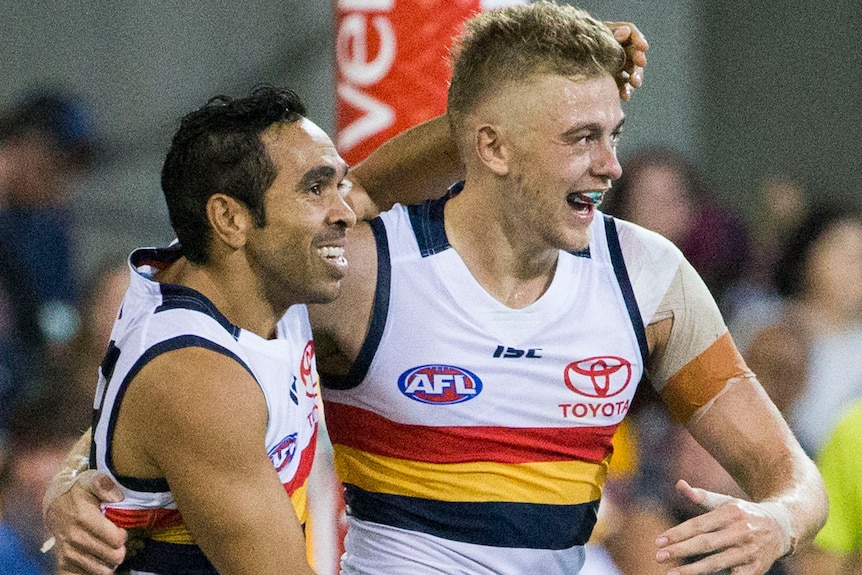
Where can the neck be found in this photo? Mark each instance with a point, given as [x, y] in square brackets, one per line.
[237, 299]
[497, 251]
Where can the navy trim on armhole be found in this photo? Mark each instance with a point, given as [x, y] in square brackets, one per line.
[175, 343]
[379, 313]
[625, 283]
[106, 369]
[426, 219]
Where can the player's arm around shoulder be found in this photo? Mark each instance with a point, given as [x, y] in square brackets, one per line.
[198, 418]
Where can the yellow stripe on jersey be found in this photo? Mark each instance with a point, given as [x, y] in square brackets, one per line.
[178, 535]
[299, 499]
[556, 482]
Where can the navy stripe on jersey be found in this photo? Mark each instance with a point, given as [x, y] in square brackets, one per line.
[161, 557]
[498, 524]
[183, 341]
[427, 222]
[379, 314]
[622, 274]
[176, 296]
[157, 257]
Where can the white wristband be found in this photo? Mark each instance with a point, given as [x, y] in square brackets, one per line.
[782, 516]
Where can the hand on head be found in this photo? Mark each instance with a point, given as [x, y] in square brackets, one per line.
[636, 46]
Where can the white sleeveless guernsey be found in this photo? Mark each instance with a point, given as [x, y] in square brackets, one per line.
[473, 438]
[156, 318]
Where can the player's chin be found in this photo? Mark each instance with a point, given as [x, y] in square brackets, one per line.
[325, 292]
[575, 242]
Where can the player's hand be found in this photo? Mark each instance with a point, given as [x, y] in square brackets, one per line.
[86, 542]
[732, 536]
[636, 46]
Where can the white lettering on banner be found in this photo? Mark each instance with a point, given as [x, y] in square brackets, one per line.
[352, 33]
[357, 71]
[378, 116]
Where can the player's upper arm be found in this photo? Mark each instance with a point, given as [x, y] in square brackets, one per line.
[416, 165]
[199, 419]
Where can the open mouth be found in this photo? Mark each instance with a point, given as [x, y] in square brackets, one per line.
[585, 202]
[332, 254]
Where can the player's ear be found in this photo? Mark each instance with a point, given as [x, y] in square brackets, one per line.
[230, 220]
[491, 149]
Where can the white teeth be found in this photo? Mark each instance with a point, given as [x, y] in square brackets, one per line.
[331, 252]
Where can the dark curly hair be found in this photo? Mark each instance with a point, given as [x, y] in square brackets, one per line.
[217, 149]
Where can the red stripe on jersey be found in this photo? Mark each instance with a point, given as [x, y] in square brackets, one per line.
[305, 462]
[367, 431]
[144, 518]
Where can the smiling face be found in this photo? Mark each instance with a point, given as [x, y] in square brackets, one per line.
[298, 255]
[562, 134]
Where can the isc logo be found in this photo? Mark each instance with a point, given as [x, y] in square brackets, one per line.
[439, 384]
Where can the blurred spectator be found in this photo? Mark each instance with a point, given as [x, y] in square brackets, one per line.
[781, 207]
[47, 145]
[21, 343]
[39, 440]
[663, 191]
[754, 303]
[809, 362]
[76, 368]
[44, 427]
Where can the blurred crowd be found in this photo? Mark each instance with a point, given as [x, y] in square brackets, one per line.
[54, 323]
[787, 275]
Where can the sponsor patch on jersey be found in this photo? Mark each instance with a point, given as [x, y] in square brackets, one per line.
[282, 454]
[439, 384]
[306, 370]
[600, 377]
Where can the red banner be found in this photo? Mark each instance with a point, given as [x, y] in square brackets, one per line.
[392, 70]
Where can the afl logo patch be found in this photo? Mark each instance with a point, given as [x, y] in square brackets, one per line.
[439, 384]
[282, 454]
[603, 376]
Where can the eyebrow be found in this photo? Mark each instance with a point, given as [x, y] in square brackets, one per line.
[591, 127]
[320, 173]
